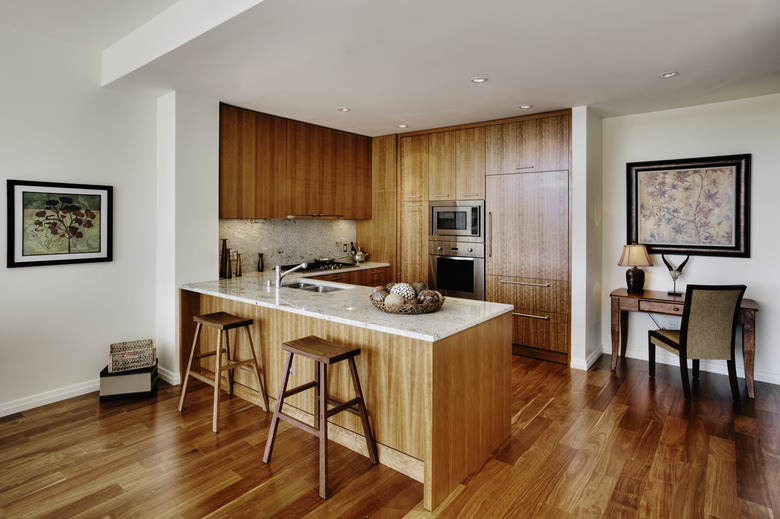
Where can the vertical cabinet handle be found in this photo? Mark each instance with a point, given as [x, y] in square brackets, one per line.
[490, 234]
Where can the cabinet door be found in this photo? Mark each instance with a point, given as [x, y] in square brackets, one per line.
[470, 164]
[352, 170]
[528, 225]
[237, 178]
[270, 166]
[528, 146]
[304, 168]
[413, 209]
[441, 163]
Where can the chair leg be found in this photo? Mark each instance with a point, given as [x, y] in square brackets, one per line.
[695, 363]
[323, 385]
[370, 441]
[269, 444]
[733, 380]
[217, 379]
[189, 367]
[684, 374]
[651, 358]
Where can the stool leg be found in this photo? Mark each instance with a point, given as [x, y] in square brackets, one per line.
[269, 444]
[323, 397]
[317, 398]
[189, 367]
[260, 380]
[229, 357]
[370, 441]
[217, 379]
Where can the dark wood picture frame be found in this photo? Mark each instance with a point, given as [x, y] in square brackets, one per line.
[698, 206]
[54, 223]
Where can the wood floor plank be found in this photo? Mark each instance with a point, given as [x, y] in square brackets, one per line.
[583, 445]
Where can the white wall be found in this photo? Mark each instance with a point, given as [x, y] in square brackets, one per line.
[187, 208]
[59, 124]
[586, 231]
[743, 126]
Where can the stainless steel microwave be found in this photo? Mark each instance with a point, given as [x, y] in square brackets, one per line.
[459, 220]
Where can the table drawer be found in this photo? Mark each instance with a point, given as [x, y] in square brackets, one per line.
[661, 308]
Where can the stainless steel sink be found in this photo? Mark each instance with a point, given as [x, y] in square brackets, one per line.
[311, 287]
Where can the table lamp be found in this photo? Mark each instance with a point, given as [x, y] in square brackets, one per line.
[635, 256]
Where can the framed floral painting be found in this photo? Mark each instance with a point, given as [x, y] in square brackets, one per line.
[53, 223]
[695, 206]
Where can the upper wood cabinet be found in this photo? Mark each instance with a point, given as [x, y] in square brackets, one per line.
[528, 225]
[526, 146]
[272, 167]
[413, 209]
[457, 165]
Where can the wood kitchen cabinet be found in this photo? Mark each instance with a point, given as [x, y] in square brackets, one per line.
[367, 277]
[457, 165]
[272, 167]
[413, 209]
[540, 144]
[527, 258]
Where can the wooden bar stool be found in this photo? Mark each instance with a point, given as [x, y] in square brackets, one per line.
[223, 322]
[323, 353]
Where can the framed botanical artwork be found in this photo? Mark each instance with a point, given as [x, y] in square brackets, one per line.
[53, 223]
[695, 206]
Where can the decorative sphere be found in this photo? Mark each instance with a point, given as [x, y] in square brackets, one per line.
[418, 287]
[389, 286]
[427, 297]
[405, 289]
[379, 295]
[394, 301]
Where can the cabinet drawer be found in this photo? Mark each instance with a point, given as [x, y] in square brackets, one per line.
[529, 293]
[375, 277]
[661, 308]
[541, 330]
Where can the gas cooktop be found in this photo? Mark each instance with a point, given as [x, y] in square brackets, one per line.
[318, 265]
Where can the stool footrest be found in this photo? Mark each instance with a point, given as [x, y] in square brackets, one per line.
[203, 378]
[299, 389]
[233, 364]
[297, 423]
[204, 355]
[345, 406]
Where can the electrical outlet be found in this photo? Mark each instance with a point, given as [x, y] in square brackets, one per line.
[344, 249]
[674, 324]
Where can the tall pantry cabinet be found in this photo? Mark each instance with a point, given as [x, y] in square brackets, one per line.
[527, 242]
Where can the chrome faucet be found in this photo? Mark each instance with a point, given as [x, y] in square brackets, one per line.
[280, 274]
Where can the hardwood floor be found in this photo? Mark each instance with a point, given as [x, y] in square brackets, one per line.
[595, 444]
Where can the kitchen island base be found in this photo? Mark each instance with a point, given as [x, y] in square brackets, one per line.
[438, 408]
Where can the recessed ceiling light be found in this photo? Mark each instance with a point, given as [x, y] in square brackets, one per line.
[666, 75]
[343, 109]
[479, 79]
[526, 107]
[403, 126]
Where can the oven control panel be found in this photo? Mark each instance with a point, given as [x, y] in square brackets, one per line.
[449, 248]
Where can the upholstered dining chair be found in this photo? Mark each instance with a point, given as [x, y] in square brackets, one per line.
[707, 331]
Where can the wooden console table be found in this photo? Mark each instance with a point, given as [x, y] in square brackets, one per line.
[657, 302]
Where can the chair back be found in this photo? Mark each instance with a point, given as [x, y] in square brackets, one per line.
[709, 321]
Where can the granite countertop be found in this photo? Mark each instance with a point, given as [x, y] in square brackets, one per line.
[351, 306]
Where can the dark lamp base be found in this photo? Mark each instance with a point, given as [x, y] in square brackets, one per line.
[674, 293]
[635, 280]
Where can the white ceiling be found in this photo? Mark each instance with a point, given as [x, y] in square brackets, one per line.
[410, 61]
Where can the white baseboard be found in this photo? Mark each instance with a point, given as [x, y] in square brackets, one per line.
[49, 397]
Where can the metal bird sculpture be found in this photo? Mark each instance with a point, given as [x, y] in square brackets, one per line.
[675, 273]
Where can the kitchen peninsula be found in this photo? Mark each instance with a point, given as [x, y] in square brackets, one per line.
[437, 386]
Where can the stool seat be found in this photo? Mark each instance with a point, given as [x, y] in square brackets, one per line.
[223, 322]
[323, 353]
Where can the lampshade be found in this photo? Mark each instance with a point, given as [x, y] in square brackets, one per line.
[634, 256]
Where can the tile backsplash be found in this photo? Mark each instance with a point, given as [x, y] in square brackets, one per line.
[285, 242]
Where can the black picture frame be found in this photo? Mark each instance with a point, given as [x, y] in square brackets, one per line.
[55, 223]
[695, 206]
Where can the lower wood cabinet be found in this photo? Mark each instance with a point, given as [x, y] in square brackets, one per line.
[366, 277]
[540, 319]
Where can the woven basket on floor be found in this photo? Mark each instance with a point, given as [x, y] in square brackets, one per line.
[131, 355]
